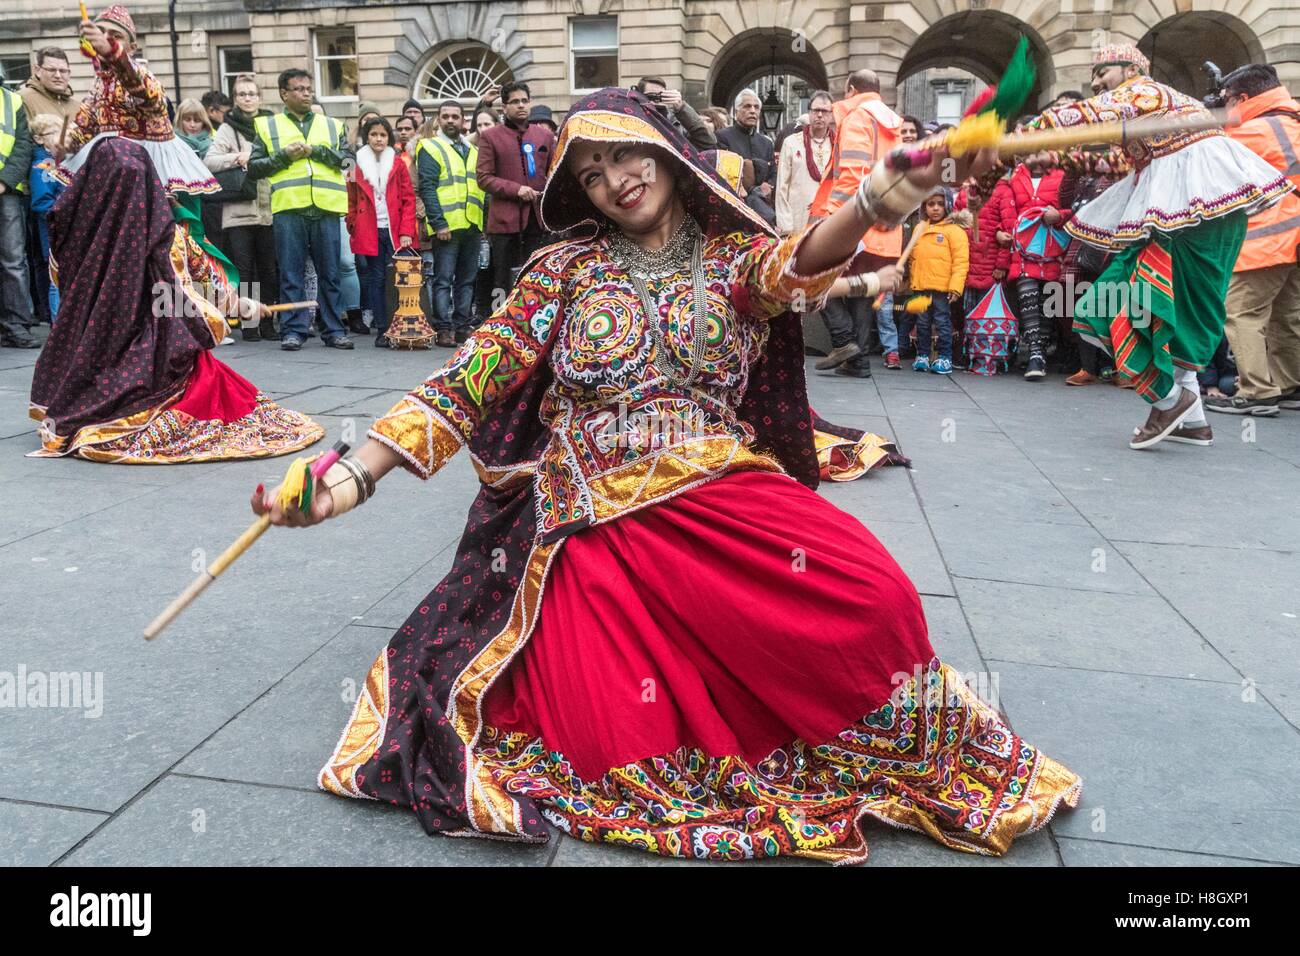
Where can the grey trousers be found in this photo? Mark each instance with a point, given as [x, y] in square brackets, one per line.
[15, 290]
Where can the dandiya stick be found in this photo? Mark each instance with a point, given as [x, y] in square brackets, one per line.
[1085, 134]
[286, 306]
[227, 557]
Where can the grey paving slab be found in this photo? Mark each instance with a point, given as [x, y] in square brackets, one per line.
[951, 638]
[913, 548]
[1017, 551]
[1245, 602]
[185, 821]
[33, 835]
[885, 494]
[1170, 764]
[1096, 853]
[308, 709]
[163, 698]
[1133, 633]
[35, 506]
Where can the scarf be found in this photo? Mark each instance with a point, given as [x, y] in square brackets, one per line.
[813, 171]
[242, 122]
[376, 170]
[200, 142]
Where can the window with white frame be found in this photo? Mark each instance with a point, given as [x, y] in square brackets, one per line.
[232, 61]
[948, 107]
[593, 53]
[17, 69]
[335, 54]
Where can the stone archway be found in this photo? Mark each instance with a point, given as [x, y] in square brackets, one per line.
[1177, 47]
[979, 42]
[750, 55]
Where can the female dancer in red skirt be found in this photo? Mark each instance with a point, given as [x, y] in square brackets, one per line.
[655, 633]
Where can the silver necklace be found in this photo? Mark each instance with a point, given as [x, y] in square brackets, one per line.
[641, 264]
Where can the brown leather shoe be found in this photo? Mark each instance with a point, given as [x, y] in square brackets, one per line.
[1192, 435]
[838, 356]
[1081, 377]
[446, 340]
[1159, 424]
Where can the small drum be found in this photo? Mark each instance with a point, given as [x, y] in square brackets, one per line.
[409, 329]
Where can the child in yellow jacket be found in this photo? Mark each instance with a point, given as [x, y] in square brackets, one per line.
[940, 259]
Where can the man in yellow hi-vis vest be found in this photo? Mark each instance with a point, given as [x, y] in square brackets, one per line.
[453, 208]
[15, 164]
[302, 154]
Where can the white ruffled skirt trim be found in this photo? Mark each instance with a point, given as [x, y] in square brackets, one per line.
[1205, 180]
[179, 168]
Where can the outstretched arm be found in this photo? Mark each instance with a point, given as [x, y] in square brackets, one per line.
[432, 421]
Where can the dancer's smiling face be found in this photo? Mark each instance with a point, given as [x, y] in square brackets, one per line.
[630, 183]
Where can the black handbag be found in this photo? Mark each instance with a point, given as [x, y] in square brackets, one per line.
[235, 186]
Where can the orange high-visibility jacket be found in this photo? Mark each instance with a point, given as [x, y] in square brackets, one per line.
[867, 130]
[1273, 234]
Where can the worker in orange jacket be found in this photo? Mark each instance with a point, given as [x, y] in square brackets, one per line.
[866, 130]
[1263, 302]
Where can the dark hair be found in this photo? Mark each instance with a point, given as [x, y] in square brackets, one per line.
[371, 124]
[407, 119]
[288, 76]
[916, 123]
[1073, 95]
[640, 84]
[46, 52]
[820, 95]
[446, 103]
[473, 121]
[512, 87]
[865, 81]
[1251, 79]
[215, 98]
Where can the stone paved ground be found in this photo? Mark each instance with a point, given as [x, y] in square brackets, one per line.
[1138, 612]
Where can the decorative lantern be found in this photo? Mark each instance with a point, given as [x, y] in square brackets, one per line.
[409, 329]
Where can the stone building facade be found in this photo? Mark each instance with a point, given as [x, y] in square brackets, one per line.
[386, 52]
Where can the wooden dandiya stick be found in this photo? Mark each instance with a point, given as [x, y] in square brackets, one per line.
[286, 306]
[1122, 132]
[241, 544]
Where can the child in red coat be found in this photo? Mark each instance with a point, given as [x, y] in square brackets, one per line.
[1033, 217]
[381, 217]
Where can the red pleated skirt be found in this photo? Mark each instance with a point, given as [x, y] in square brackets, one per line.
[737, 617]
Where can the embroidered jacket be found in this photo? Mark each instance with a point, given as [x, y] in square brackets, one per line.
[125, 97]
[623, 433]
[1139, 96]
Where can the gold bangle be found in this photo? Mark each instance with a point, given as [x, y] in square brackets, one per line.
[344, 488]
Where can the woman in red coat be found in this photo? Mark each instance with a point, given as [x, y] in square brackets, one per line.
[1035, 200]
[381, 217]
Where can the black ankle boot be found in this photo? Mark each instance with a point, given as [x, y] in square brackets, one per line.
[356, 323]
[266, 329]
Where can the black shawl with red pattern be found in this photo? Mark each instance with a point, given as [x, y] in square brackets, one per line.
[117, 346]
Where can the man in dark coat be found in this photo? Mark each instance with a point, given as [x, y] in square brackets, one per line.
[512, 161]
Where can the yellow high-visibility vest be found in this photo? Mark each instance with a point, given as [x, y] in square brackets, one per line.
[459, 193]
[11, 105]
[304, 183]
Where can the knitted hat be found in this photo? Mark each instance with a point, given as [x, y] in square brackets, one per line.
[118, 17]
[365, 106]
[1121, 53]
[412, 104]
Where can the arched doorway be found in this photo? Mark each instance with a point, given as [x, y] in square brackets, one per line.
[462, 71]
[763, 59]
[1179, 45]
[966, 51]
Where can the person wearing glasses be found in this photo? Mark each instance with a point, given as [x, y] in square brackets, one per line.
[49, 90]
[512, 162]
[805, 158]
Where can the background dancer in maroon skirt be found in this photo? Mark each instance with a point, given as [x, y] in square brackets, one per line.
[655, 632]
